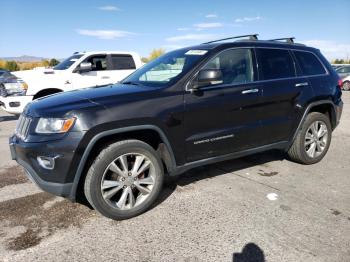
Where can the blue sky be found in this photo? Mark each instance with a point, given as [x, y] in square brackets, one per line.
[58, 28]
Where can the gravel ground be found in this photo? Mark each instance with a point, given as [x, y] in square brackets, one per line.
[261, 207]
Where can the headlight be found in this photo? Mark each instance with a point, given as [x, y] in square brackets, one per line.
[17, 88]
[54, 125]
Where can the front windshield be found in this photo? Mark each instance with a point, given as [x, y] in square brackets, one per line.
[166, 69]
[65, 64]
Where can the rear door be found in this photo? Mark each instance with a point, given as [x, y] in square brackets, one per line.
[224, 118]
[314, 70]
[282, 90]
[120, 66]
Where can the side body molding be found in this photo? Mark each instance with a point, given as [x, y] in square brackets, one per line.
[93, 141]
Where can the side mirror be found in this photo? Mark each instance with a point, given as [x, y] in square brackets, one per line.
[84, 67]
[208, 77]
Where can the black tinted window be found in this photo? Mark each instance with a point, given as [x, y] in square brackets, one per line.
[236, 66]
[122, 62]
[309, 63]
[275, 63]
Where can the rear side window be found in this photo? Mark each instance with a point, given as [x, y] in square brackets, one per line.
[122, 62]
[275, 63]
[309, 63]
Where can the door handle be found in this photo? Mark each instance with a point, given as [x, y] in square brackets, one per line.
[105, 77]
[250, 91]
[301, 84]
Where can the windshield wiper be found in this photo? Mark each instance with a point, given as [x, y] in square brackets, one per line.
[131, 83]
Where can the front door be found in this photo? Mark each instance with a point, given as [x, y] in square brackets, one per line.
[96, 77]
[224, 118]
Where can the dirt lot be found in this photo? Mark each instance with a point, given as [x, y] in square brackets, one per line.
[263, 207]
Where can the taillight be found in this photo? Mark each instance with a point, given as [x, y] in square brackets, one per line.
[340, 83]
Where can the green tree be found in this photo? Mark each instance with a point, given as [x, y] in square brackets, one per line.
[53, 62]
[144, 59]
[45, 62]
[156, 53]
[12, 66]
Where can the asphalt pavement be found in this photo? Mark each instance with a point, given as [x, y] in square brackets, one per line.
[260, 207]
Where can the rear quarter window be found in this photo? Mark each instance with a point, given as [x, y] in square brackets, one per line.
[309, 63]
[122, 62]
[275, 63]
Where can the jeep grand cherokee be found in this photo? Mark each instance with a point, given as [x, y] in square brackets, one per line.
[190, 107]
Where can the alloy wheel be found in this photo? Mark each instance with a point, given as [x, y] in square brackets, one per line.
[316, 139]
[128, 181]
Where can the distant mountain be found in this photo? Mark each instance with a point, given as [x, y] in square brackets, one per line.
[23, 58]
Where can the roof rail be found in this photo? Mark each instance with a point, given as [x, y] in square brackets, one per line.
[289, 40]
[251, 37]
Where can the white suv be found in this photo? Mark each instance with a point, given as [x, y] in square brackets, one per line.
[81, 70]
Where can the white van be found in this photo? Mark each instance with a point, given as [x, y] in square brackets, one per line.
[81, 70]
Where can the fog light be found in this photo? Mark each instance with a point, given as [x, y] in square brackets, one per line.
[15, 104]
[47, 162]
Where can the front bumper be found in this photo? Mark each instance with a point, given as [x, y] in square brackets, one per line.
[14, 104]
[58, 181]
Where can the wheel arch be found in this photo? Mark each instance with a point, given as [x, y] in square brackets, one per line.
[46, 92]
[145, 133]
[323, 106]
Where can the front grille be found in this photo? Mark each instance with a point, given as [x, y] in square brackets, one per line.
[22, 126]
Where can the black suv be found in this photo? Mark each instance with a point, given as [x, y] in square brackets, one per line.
[194, 106]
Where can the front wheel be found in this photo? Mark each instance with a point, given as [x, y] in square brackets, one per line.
[124, 180]
[313, 140]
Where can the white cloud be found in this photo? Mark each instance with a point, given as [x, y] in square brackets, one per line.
[211, 16]
[183, 29]
[109, 8]
[189, 37]
[104, 34]
[248, 19]
[331, 49]
[208, 25]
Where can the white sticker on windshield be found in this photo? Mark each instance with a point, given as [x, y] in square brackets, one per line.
[73, 60]
[196, 52]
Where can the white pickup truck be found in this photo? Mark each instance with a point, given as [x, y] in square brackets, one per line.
[81, 70]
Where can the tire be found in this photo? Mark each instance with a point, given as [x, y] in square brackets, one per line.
[346, 86]
[301, 149]
[134, 193]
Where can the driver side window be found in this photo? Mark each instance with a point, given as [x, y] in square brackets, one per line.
[98, 62]
[235, 64]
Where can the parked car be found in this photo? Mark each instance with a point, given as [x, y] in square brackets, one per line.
[81, 70]
[336, 66]
[346, 83]
[343, 71]
[10, 84]
[191, 107]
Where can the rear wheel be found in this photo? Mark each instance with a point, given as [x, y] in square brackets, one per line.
[313, 140]
[124, 180]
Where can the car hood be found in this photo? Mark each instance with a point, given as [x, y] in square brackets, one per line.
[41, 77]
[61, 104]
